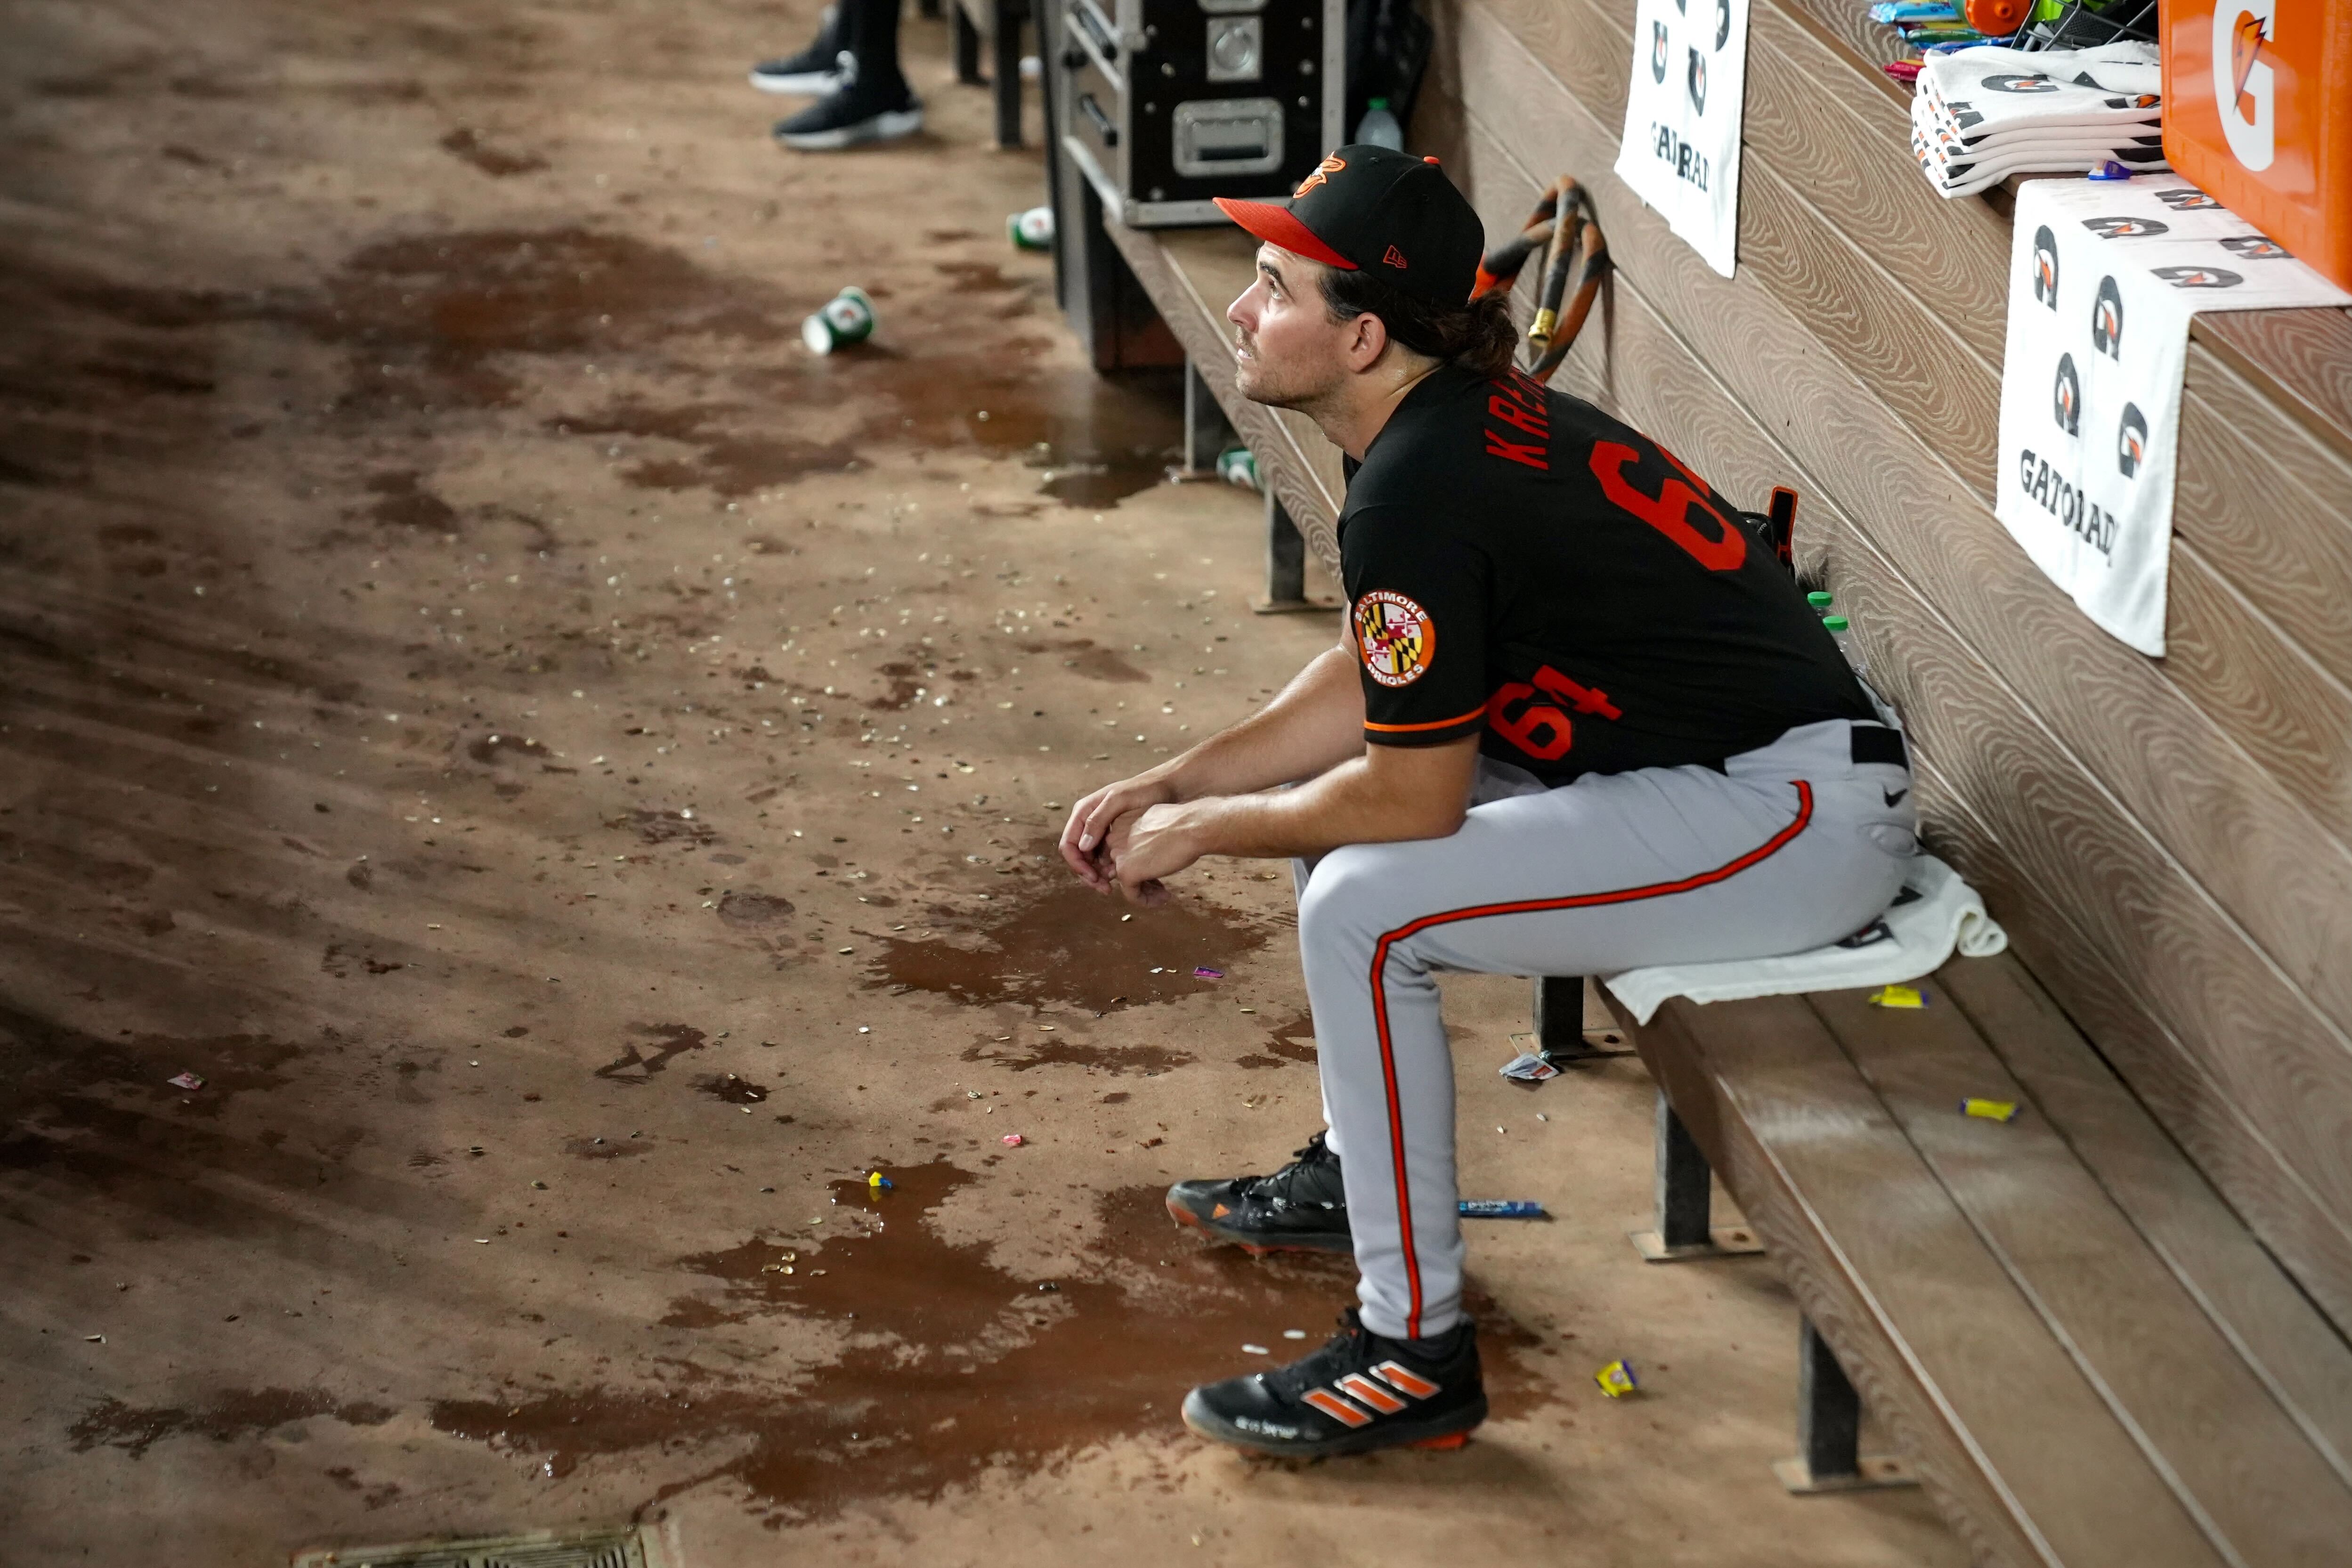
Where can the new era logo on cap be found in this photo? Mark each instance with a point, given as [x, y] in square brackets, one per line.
[1369, 206]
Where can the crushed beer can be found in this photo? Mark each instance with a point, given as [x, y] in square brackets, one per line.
[1238, 466]
[847, 317]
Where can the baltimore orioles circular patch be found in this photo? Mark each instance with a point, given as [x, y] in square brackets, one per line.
[1396, 637]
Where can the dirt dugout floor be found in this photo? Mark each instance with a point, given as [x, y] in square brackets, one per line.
[571, 773]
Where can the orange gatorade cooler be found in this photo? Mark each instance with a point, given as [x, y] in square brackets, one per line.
[2257, 111]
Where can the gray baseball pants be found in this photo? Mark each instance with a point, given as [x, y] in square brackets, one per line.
[1789, 846]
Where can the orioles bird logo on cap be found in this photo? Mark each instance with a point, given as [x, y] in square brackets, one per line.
[1322, 174]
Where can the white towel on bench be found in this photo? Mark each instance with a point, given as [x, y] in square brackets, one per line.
[1936, 915]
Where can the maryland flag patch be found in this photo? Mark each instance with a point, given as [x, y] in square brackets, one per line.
[1395, 636]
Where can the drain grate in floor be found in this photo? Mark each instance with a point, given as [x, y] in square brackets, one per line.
[541, 1548]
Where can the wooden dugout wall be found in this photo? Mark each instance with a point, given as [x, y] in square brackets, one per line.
[2170, 842]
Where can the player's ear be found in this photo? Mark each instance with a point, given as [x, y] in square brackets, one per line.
[1367, 342]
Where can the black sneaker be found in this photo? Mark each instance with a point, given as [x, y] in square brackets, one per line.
[814, 71]
[1302, 1207]
[1358, 1392]
[852, 114]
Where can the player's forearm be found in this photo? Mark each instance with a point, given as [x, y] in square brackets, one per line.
[1348, 804]
[1312, 725]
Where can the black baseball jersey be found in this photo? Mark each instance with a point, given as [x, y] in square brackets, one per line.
[1522, 566]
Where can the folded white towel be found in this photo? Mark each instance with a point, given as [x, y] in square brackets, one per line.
[1935, 914]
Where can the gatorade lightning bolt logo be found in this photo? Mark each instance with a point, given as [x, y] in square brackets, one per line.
[2131, 441]
[1396, 637]
[2187, 201]
[2199, 277]
[2019, 84]
[1722, 23]
[1697, 82]
[2066, 397]
[2254, 247]
[2045, 266]
[1323, 173]
[2126, 227]
[1658, 51]
[2107, 320]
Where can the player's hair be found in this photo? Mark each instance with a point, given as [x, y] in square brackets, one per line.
[1478, 336]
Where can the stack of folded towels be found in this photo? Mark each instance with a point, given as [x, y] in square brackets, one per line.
[1983, 113]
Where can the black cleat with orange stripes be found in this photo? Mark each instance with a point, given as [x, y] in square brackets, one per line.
[1358, 1392]
[1302, 1207]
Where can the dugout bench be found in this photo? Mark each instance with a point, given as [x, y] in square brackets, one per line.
[2111, 1331]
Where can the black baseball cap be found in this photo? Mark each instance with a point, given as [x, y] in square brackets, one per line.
[1368, 208]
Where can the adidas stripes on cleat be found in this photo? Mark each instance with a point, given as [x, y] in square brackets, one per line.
[1301, 1207]
[1358, 1392]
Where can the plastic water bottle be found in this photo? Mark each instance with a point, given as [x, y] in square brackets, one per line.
[1379, 127]
[1842, 631]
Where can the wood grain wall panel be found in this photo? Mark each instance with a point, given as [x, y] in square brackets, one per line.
[2303, 359]
[2268, 506]
[1852, 165]
[1865, 44]
[2158, 926]
[2261, 852]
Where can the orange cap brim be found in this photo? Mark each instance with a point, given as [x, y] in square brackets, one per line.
[1280, 225]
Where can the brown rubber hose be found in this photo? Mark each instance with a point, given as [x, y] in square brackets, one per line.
[1567, 229]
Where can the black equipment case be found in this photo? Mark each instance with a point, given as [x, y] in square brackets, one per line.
[1162, 104]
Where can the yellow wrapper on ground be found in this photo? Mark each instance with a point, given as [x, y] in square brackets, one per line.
[1990, 1109]
[1617, 1379]
[1898, 996]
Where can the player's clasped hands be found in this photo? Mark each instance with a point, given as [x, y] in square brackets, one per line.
[1127, 835]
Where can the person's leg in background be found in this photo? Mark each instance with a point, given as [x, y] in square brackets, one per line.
[871, 102]
[812, 73]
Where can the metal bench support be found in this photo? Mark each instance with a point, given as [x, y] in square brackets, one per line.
[1207, 431]
[1286, 558]
[967, 48]
[1685, 1196]
[1561, 1034]
[1006, 15]
[1829, 1429]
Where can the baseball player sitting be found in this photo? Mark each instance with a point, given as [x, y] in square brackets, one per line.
[1579, 720]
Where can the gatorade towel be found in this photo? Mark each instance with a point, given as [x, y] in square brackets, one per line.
[2104, 276]
[1680, 148]
[1981, 114]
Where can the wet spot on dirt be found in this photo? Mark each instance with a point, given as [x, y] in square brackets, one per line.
[978, 276]
[1053, 942]
[1293, 1040]
[753, 909]
[1095, 663]
[466, 143]
[403, 501]
[338, 959]
[903, 688]
[496, 748]
[667, 826]
[44, 1063]
[732, 461]
[734, 1091]
[633, 1065]
[1061, 1049]
[241, 1413]
[427, 315]
[951, 1366]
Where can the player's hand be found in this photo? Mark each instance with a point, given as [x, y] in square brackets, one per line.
[1147, 847]
[1085, 834]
